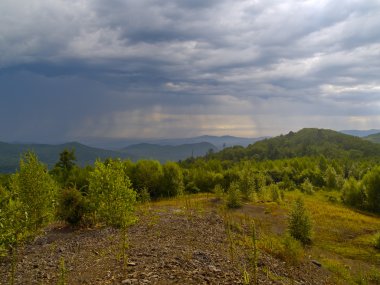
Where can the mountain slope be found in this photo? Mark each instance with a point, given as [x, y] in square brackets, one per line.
[218, 141]
[373, 138]
[168, 152]
[49, 154]
[306, 142]
[360, 133]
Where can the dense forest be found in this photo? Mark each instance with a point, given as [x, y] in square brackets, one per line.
[309, 161]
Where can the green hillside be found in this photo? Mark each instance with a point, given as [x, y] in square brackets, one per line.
[168, 152]
[49, 154]
[373, 138]
[306, 142]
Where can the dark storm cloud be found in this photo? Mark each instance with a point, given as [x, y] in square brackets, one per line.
[73, 69]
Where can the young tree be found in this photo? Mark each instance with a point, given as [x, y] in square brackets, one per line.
[234, 199]
[371, 183]
[64, 166]
[36, 191]
[172, 182]
[148, 174]
[299, 223]
[110, 194]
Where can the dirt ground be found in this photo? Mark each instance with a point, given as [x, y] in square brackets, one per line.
[168, 245]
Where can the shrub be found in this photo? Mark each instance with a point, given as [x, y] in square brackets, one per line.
[192, 188]
[234, 199]
[377, 241]
[143, 196]
[292, 250]
[36, 191]
[371, 183]
[299, 223]
[172, 180]
[72, 206]
[218, 191]
[110, 194]
[353, 194]
[307, 187]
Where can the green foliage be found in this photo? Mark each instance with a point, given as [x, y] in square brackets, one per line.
[299, 222]
[143, 196]
[192, 188]
[13, 223]
[72, 206]
[247, 183]
[306, 142]
[377, 241]
[234, 197]
[371, 184]
[110, 194]
[148, 174]
[353, 194]
[36, 191]
[307, 187]
[172, 181]
[331, 179]
[292, 250]
[218, 191]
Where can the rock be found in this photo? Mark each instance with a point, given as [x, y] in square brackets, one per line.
[132, 263]
[317, 263]
[213, 268]
[129, 281]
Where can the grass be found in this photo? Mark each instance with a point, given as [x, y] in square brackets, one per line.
[343, 239]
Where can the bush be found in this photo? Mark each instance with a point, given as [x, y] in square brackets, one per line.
[192, 188]
[377, 241]
[218, 191]
[371, 183]
[143, 196]
[292, 250]
[353, 194]
[299, 223]
[234, 199]
[172, 180]
[307, 187]
[110, 194]
[72, 206]
[36, 191]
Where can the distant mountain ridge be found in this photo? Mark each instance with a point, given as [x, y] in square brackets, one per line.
[170, 152]
[360, 133]
[373, 138]
[219, 141]
[49, 154]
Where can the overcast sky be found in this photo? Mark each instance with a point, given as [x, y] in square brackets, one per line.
[80, 69]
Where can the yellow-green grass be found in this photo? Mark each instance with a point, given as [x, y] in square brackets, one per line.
[343, 238]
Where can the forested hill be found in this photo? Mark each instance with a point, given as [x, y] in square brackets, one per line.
[49, 154]
[306, 142]
[169, 152]
[373, 138]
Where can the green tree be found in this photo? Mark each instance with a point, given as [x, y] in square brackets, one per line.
[64, 166]
[148, 174]
[172, 182]
[110, 194]
[234, 199]
[353, 194]
[36, 191]
[371, 184]
[299, 222]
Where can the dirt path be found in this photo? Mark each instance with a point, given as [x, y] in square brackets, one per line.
[169, 245]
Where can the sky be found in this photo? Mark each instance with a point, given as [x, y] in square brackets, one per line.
[89, 69]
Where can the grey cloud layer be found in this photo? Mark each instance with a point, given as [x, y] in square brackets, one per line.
[149, 67]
